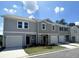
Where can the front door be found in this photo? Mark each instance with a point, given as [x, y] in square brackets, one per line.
[67, 38]
[45, 40]
[27, 40]
[73, 39]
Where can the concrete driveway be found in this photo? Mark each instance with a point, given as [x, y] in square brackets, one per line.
[13, 53]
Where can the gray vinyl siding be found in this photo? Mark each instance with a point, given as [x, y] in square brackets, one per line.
[49, 28]
[63, 32]
[11, 25]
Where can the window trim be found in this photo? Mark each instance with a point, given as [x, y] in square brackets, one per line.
[17, 25]
[24, 25]
[42, 26]
[61, 29]
[54, 28]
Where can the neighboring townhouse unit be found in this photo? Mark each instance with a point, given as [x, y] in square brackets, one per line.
[20, 32]
[74, 33]
[52, 32]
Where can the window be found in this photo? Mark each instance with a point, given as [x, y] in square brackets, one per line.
[75, 31]
[26, 25]
[65, 29]
[61, 28]
[44, 26]
[53, 28]
[19, 24]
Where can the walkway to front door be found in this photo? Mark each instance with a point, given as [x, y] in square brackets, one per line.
[70, 45]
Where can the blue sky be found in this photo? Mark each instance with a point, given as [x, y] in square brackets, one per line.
[41, 10]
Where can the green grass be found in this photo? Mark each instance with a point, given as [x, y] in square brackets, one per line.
[41, 49]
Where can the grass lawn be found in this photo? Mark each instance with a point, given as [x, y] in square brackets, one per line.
[41, 49]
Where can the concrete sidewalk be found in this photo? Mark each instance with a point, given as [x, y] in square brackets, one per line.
[74, 44]
[70, 45]
[12, 53]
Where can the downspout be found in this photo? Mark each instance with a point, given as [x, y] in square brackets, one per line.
[70, 29]
[36, 32]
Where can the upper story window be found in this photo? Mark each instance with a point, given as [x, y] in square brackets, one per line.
[26, 25]
[43, 26]
[61, 28]
[53, 28]
[75, 31]
[65, 29]
[19, 24]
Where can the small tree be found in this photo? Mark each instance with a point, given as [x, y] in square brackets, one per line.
[62, 21]
[71, 24]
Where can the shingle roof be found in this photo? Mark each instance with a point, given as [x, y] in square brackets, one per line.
[77, 26]
[19, 17]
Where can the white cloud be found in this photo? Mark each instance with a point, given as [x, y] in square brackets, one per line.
[59, 9]
[29, 11]
[30, 6]
[76, 23]
[10, 11]
[56, 10]
[5, 9]
[14, 6]
[31, 16]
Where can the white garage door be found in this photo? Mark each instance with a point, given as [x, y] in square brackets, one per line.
[54, 39]
[77, 38]
[14, 41]
[61, 39]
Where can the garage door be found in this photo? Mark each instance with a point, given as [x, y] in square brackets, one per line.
[54, 39]
[14, 41]
[77, 38]
[61, 39]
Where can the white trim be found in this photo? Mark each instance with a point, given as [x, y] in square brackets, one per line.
[14, 36]
[17, 25]
[52, 28]
[23, 24]
[47, 34]
[42, 26]
[19, 32]
[30, 33]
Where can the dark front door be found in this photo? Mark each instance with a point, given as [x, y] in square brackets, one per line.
[67, 38]
[27, 40]
[73, 39]
[45, 40]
